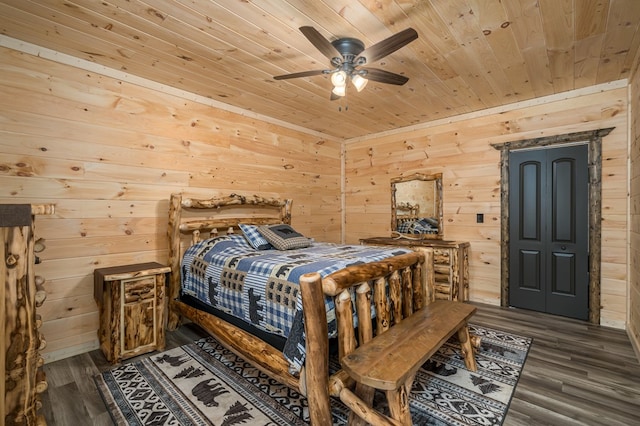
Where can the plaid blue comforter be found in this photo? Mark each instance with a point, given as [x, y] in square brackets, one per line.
[261, 286]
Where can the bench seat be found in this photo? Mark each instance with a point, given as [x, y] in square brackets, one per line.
[390, 361]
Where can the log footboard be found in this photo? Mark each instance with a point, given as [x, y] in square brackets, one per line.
[393, 286]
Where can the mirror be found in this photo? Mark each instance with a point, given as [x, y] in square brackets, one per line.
[416, 206]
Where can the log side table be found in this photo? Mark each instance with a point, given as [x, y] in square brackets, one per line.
[131, 301]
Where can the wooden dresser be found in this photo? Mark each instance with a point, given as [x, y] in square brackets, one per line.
[450, 264]
[21, 293]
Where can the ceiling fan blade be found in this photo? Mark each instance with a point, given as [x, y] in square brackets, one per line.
[300, 74]
[382, 76]
[388, 45]
[320, 42]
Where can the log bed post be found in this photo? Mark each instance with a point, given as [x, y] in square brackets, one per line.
[285, 212]
[175, 209]
[21, 292]
[317, 357]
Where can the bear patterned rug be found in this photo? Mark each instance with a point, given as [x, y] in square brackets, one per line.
[204, 384]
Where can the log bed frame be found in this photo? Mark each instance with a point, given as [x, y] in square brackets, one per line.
[405, 276]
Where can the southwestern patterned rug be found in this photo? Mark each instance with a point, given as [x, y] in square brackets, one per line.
[204, 384]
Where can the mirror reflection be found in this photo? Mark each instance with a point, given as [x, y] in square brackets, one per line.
[416, 206]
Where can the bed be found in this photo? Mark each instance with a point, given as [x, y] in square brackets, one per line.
[409, 221]
[328, 306]
[418, 225]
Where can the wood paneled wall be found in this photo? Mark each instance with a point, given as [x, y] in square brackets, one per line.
[109, 154]
[633, 325]
[460, 150]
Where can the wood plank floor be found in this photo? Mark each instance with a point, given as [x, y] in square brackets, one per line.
[575, 374]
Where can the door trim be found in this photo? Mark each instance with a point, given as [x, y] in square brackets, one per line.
[594, 139]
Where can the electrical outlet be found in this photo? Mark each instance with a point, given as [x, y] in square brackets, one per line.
[479, 217]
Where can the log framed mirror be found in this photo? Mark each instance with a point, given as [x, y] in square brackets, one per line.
[416, 206]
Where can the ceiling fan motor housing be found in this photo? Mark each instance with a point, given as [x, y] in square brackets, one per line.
[349, 48]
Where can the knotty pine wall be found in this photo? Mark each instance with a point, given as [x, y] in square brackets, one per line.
[633, 326]
[109, 154]
[460, 150]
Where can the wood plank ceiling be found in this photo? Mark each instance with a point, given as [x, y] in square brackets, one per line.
[470, 54]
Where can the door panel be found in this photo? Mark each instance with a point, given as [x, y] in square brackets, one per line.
[530, 199]
[563, 279]
[548, 219]
[569, 241]
[526, 262]
[530, 269]
[563, 201]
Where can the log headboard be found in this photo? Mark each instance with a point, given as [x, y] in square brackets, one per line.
[191, 219]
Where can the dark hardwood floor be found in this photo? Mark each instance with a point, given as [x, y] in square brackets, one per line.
[575, 374]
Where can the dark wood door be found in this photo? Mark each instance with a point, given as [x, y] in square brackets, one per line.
[548, 230]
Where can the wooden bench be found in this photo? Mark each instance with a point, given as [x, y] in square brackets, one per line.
[390, 361]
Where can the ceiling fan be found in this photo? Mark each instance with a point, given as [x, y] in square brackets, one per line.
[348, 57]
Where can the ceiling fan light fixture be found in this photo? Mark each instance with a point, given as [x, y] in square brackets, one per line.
[340, 90]
[339, 79]
[359, 82]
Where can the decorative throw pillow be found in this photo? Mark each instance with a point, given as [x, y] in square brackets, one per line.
[284, 237]
[432, 221]
[254, 237]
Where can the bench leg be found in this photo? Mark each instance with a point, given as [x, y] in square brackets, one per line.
[467, 348]
[363, 411]
[399, 402]
[366, 393]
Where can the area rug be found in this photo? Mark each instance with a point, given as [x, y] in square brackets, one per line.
[204, 384]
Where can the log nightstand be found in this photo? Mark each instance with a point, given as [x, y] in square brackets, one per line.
[131, 300]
